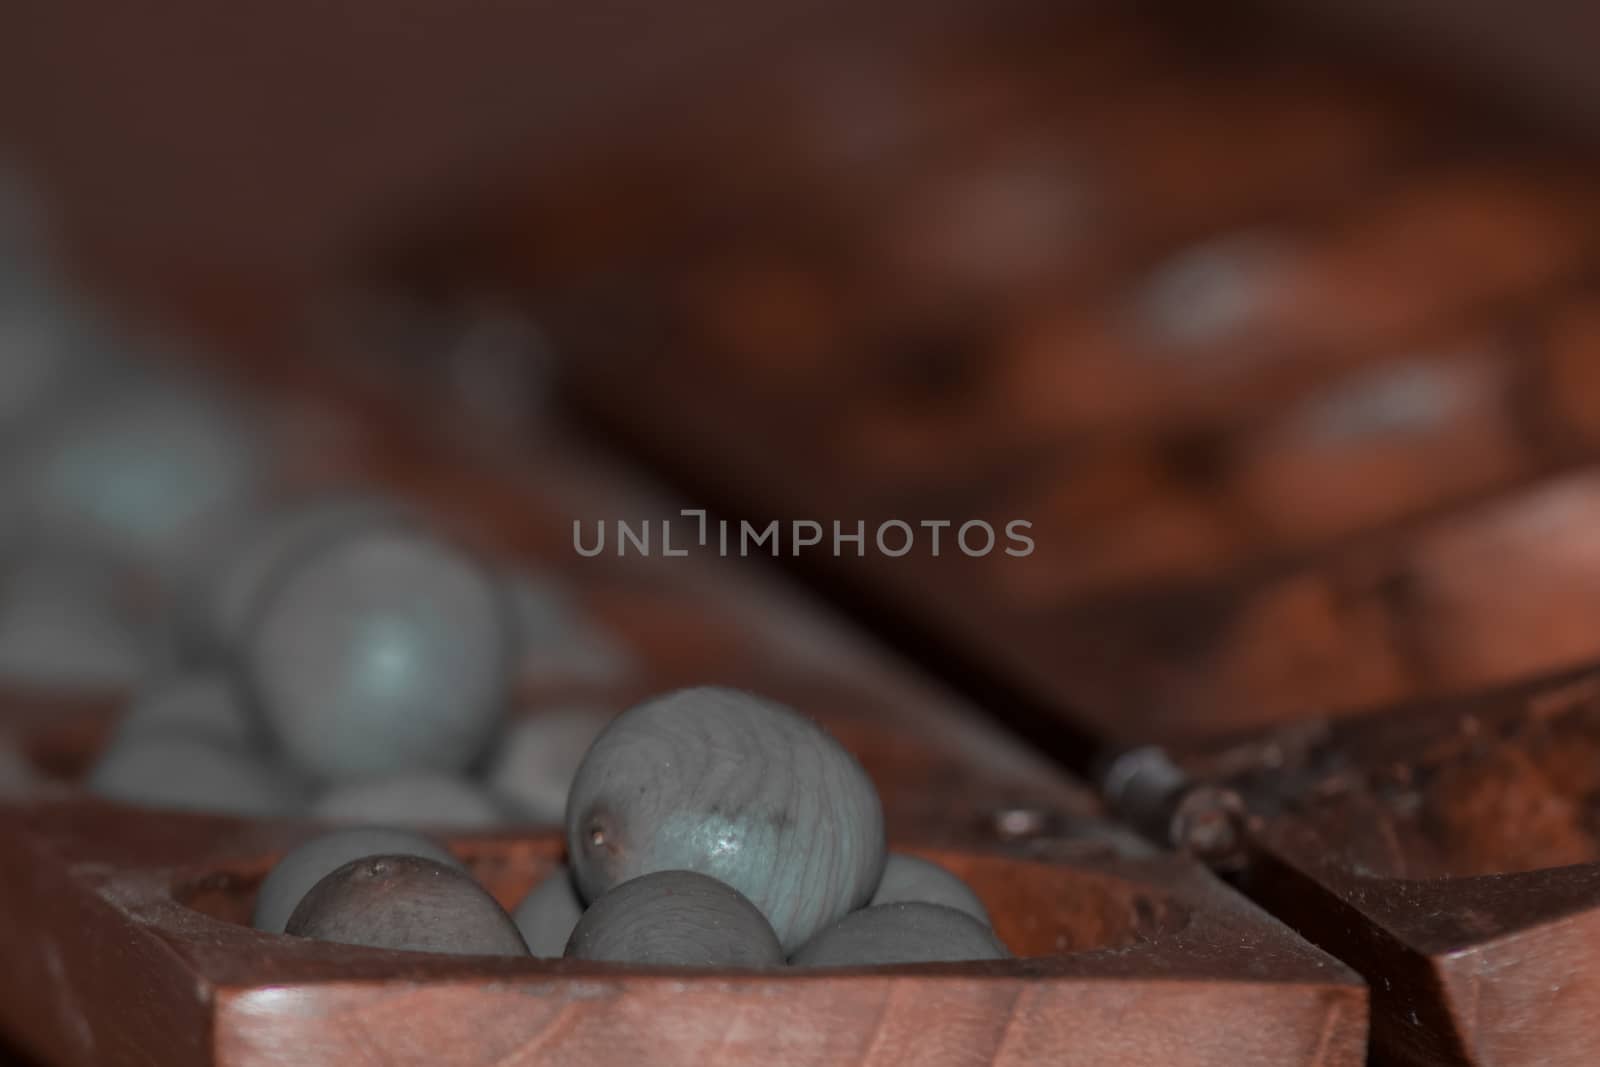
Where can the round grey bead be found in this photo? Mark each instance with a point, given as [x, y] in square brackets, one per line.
[311, 861]
[909, 879]
[150, 474]
[237, 587]
[900, 934]
[738, 788]
[206, 707]
[406, 903]
[532, 768]
[410, 800]
[675, 919]
[385, 652]
[548, 914]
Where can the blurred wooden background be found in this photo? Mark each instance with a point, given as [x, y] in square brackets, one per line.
[269, 140]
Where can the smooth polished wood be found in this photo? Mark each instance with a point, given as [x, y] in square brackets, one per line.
[1124, 960]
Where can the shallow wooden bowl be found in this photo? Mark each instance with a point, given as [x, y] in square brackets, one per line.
[133, 951]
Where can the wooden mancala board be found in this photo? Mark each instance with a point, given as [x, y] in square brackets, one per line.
[1300, 407]
[127, 934]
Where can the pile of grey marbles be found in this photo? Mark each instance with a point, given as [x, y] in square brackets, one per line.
[706, 827]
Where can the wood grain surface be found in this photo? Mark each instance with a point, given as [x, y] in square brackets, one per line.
[1124, 959]
[1311, 472]
[1209, 437]
[1114, 933]
[1447, 851]
[1287, 355]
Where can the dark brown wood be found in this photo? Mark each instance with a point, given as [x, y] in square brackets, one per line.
[1536, 58]
[246, 167]
[1428, 610]
[1478, 598]
[1450, 854]
[941, 420]
[878, 143]
[1201, 507]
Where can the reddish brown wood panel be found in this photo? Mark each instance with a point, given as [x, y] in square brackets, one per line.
[1122, 959]
[1199, 433]
[1450, 853]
